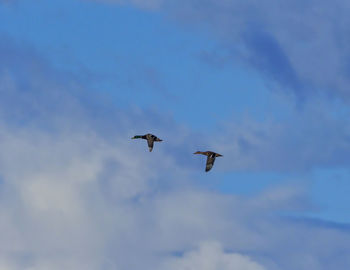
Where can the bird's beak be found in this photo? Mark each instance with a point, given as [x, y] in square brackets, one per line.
[220, 155]
[133, 138]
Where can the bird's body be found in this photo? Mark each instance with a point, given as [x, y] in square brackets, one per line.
[210, 158]
[150, 139]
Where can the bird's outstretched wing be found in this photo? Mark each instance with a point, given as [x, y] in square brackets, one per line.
[210, 162]
[150, 143]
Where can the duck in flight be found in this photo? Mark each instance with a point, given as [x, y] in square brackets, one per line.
[210, 158]
[150, 139]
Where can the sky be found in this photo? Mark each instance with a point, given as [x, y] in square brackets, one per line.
[265, 84]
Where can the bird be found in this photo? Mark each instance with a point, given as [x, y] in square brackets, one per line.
[150, 139]
[210, 158]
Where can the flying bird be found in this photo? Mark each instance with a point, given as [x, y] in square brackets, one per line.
[150, 139]
[210, 158]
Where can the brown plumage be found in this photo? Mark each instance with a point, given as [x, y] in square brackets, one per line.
[150, 139]
[210, 158]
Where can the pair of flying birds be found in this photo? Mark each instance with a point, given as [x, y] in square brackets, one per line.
[151, 139]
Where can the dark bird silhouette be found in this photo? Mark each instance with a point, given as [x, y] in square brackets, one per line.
[150, 139]
[210, 158]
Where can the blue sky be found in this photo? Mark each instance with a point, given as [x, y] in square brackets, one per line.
[139, 58]
[79, 78]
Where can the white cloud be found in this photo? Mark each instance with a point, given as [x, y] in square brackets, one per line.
[210, 256]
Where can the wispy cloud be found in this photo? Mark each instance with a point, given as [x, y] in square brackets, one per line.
[302, 141]
[301, 45]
